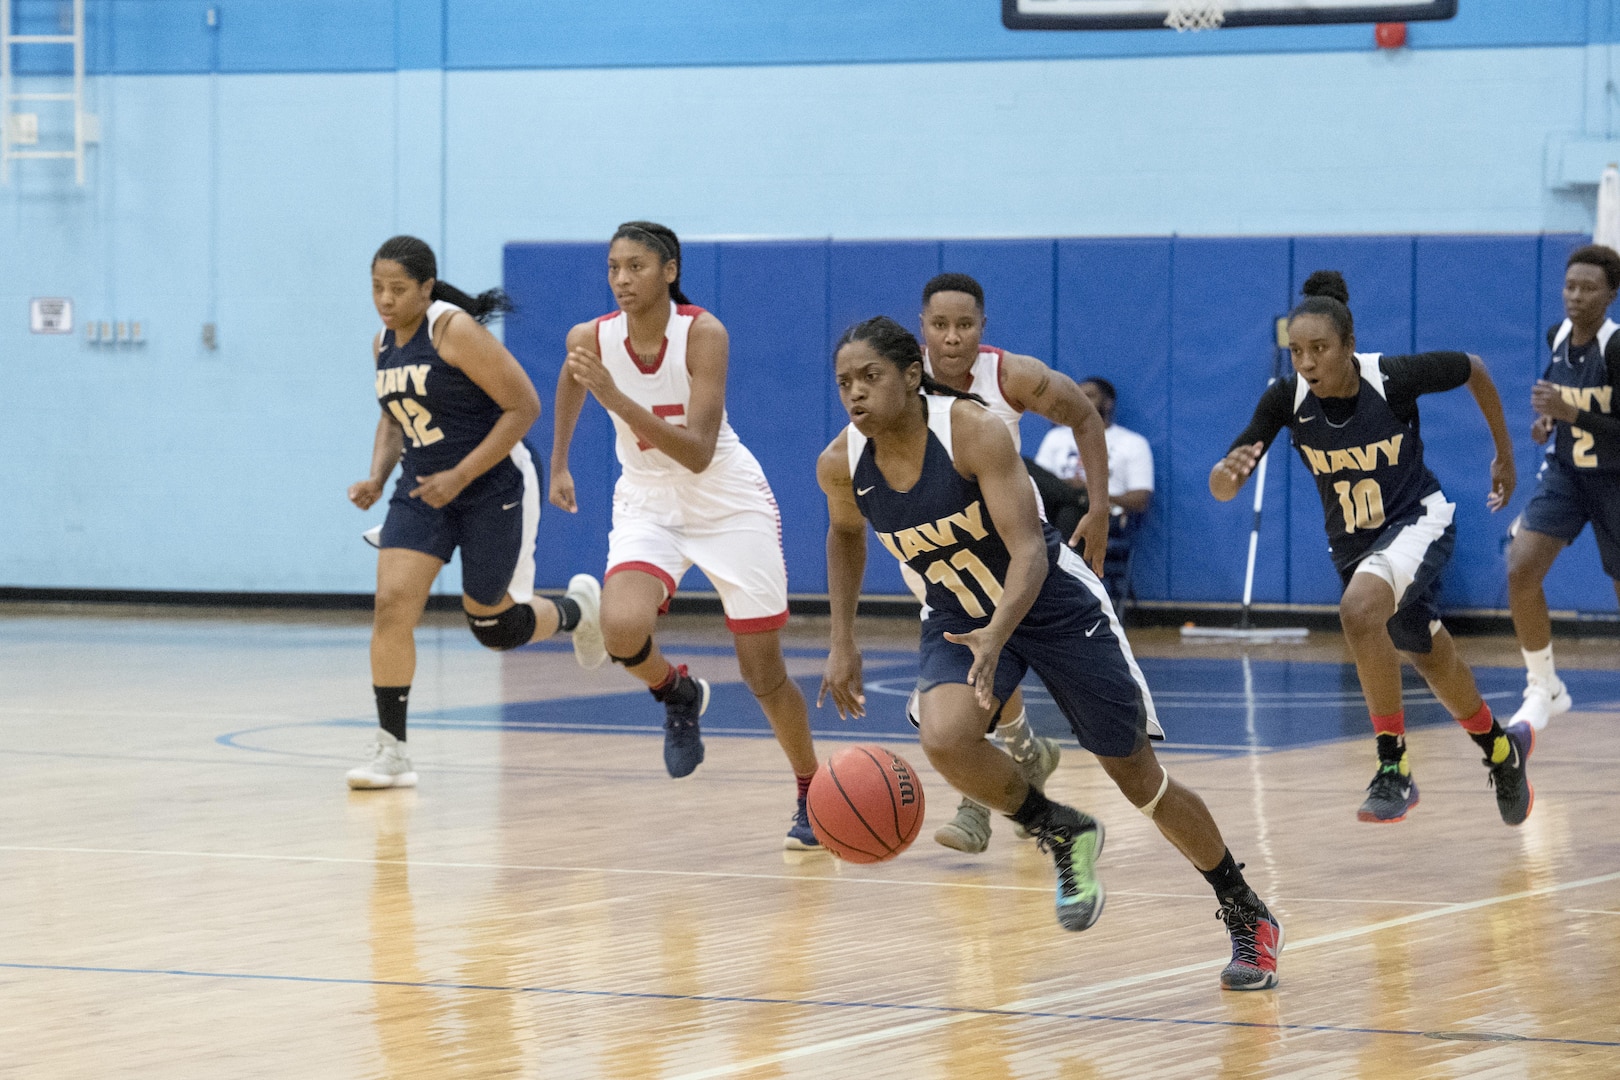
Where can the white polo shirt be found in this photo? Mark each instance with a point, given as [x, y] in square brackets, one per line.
[1130, 459]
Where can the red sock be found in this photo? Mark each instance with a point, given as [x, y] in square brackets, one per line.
[668, 680]
[1393, 724]
[804, 784]
[1480, 722]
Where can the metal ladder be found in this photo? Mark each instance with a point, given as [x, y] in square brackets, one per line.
[9, 151]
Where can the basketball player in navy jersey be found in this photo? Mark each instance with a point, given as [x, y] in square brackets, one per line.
[1354, 419]
[939, 480]
[689, 494]
[1009, 384]
[1579, 481]
[455, 407]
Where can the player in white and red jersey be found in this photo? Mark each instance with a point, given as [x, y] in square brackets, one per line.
[690, 495]
[1008, 383]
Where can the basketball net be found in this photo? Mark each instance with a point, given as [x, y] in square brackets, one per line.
[1194, 15]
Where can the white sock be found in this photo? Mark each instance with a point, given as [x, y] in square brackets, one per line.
[386, 737]
[1018, 736]
[1540, 666]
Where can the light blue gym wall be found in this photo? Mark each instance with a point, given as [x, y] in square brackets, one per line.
[246, 173]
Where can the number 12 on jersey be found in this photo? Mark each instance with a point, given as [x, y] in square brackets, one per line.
[944, 572]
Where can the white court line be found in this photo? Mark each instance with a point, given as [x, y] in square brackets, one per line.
[1591, 911]
[1068, 998]
[339, 860]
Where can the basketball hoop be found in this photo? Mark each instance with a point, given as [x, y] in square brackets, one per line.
[1194, 15]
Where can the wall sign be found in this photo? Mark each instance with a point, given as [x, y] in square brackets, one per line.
[50, 315]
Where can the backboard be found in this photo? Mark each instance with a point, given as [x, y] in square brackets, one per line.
[1150, 14]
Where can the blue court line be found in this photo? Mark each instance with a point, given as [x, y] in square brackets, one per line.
[729, 999]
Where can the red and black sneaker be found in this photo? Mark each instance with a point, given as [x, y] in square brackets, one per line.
[1257, 941]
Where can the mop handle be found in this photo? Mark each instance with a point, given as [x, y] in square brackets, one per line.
[1254, 532]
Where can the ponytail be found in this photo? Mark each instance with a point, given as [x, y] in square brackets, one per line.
[661, 241]
[895, 344]
[417, 259]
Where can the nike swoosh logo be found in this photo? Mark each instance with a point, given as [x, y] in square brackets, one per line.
[1306, 419]
[864, 490]
[1093, 630]
[508, 506]
[1406, 792]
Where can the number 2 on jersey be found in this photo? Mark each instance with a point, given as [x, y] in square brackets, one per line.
[416, 421]
[1581, 452]
[1363, 504]
[940, 572]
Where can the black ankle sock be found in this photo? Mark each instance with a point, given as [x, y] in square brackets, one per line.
[1227, 878]
[1486, 740]
[1036, 809]
[677, 684]
[567, 613]
[1391, 748]
[392, 702]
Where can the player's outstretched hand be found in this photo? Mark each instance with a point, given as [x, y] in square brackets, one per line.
[1233, 469]
[562, 491]
[1504, 478]
[1091, 537]
[438, 489]
[986, 648]
[842, 679]
[365, 494]
[1541, 429]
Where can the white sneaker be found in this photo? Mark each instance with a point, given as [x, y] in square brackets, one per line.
[388, 768]
[588, 647]
[1539, 705]
[373, 536]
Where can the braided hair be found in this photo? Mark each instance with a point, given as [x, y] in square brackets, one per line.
[417, 259]
[660, 240]
[895, 344]
[1326, 294]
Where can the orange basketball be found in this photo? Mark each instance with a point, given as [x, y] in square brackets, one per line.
[866, 804]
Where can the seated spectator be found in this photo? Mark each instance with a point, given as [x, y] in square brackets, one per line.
[1130, 459]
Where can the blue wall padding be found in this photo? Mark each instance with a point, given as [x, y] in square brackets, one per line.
[1478, 294]
[1224, 298]
[1184, 328]
[1113, 320]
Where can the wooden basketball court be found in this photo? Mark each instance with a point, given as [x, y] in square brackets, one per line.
[188, 889]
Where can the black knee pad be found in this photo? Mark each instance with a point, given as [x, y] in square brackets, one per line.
[508, 630]
[632, 661]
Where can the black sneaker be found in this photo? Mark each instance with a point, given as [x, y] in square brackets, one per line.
[1257, 941]
[1390, 795]
[1074, 841]
[1507, 761]
[684, 702]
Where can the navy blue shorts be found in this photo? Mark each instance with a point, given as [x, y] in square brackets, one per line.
[1072, 643]
[493, 522]
[1567, 499]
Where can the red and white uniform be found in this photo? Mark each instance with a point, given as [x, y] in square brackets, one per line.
[986, 372]
[666, 518]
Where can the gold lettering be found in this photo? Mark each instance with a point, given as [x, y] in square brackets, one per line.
[382, 378]
[1319, 463]
[1391, 448]
[1340, 459]
[940, 533]
[418, 374]
[1602, 394]
[1366, 457]
[911, 543]
[971, 519]
[887, 540]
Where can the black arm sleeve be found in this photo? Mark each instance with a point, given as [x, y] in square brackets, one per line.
[1270, 415]
[1426, 373]
[1605, 423]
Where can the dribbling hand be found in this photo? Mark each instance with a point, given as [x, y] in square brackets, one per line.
[562, 491]
[986, 655]
[366, 493]
[1541, 429]
[842, 679]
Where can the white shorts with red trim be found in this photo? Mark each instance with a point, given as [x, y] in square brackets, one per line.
[725, 522]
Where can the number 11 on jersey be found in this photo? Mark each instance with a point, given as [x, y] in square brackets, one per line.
[940, 572]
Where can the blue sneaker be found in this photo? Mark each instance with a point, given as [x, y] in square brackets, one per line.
[1391, 794]
[684, 702]
[800, 836]
[1074, 840]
